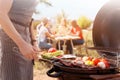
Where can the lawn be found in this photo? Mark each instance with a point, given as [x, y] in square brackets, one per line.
[40, 69]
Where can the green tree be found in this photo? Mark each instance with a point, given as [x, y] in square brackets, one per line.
[59, 16]
[84, 22]
[45, 2]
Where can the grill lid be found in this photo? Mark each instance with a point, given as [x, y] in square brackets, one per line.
[107, 25]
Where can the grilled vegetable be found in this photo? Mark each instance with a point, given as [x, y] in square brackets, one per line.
[50, 55]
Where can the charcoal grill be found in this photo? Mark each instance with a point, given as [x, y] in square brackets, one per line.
[106, 34]
[70, 73]
[106, 38]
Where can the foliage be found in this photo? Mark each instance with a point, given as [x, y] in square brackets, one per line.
[45, 2]
[84, 22]
[59, 16]
[35, 23]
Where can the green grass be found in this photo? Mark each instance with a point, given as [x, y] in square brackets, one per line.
[82, 50]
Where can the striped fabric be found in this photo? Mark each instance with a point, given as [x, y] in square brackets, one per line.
[13, 65]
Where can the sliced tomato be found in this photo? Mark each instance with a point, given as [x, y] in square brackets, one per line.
[96, 61]
[52, 50]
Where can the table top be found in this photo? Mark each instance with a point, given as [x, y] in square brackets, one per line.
[67, 37]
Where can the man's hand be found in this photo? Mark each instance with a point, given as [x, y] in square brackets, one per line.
[28, 51]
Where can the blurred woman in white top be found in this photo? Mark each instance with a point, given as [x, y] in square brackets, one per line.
[44, 34]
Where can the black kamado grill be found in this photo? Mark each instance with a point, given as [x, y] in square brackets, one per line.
[106, 38]
[63, 72]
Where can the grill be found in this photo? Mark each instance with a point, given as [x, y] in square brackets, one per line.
[68, 73]
[106, 38]
[112, 54]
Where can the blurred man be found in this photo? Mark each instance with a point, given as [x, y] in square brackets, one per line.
[44, 34]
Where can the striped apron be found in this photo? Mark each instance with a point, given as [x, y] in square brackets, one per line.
[14, 66]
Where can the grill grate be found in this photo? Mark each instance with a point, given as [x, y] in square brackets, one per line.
[112, 54]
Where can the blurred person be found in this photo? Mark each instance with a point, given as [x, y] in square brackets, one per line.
[16, 49]
[44, 34]
[75, 31]
[63, 30]
[47, 22]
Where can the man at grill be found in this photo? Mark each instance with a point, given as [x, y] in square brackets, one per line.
[17, 52]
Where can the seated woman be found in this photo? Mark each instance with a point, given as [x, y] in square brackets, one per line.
[75, 31]
[43, 35]
[62, 31]
[63, 28]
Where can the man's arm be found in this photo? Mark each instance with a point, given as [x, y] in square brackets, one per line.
[5, 22]
[9, 29]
